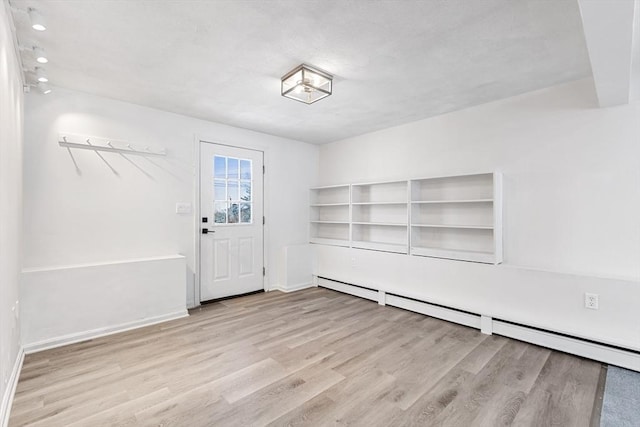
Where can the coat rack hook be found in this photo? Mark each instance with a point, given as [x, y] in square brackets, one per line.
[119, 146]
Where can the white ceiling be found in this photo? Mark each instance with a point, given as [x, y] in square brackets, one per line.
[393, 61]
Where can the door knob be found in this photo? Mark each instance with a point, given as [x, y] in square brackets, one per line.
[207, 231]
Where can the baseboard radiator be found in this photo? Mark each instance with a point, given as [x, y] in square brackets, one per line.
[609, 354]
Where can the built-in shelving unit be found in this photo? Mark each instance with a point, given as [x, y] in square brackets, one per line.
[455, 217]
[330, 215]
[380, 217]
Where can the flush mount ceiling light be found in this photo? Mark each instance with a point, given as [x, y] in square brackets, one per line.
[306, 84]
[37, 21]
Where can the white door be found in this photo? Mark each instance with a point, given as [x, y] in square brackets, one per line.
[231, 221]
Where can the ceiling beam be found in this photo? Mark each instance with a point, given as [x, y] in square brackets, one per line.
[613, 48]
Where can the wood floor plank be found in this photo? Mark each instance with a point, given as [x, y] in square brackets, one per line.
[313, 412]
[275, 400]
[314, 357]
[353, 404]
[481, 390]
[480, 356]
[431, 404]
[242, 383]
[434, 363]
[501, 409]
[197, 407]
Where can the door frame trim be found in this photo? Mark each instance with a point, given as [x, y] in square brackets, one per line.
[198, 141]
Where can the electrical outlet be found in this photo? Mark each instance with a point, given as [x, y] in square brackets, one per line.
[591, 301]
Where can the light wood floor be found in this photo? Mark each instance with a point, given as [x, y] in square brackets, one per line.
[314, 357]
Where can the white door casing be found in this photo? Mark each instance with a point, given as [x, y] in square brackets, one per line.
[231, 201]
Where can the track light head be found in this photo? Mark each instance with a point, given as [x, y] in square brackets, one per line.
[41, 76]
[44, 88]
[37, 21]
[40, 56]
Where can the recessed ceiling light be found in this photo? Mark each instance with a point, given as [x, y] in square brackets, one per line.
[41, 76]
[37, 21]
[40, 57]
[306, 84]
[44, 88]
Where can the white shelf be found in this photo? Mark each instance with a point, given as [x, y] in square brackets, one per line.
[380, 213]
[329, 187]
[378, 203]
[461, 212]
[451, 201]
[330, 222]
[462, 255]
[465, 187]
[379, 193]
[385, 224]
[330, 215]
[332, 242]
[321, 205]
[469, 227]
[336, 195]
[380, 246]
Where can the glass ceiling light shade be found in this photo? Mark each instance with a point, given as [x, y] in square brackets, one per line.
[306, 84]
[37, 21]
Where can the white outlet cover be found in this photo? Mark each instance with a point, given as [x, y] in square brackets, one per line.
[591, 301]
[183, 208]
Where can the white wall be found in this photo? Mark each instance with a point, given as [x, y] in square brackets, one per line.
[81, 208]
[11, 110]
[107, 297]
[571, 206]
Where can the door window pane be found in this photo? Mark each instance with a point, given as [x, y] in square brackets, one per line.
[232, 168]
[233, 215]
[220, 190]
[232, 191]
[245, 169]
[245, 191]
[220, 215]
[219, 167]
[245, 212]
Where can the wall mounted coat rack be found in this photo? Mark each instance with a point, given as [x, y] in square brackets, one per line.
[83, 142]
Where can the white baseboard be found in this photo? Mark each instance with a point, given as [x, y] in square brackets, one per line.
[436, 311]
[349, 289]
[101, 332]
[9, 393]
[601, 352]
[293, 288]
[588, 349]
